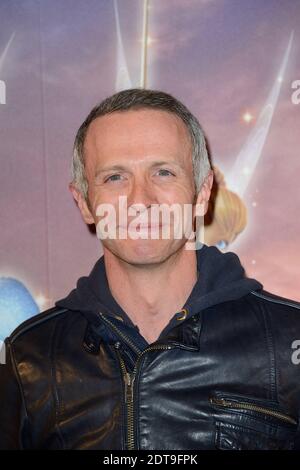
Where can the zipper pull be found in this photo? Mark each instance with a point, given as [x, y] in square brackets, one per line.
[128, 388]
[219, 401]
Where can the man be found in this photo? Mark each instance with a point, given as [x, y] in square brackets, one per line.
[162, 346]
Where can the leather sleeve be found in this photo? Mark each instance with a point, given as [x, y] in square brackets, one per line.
[13, 416]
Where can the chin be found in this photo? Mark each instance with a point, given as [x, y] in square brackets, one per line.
[146, 252]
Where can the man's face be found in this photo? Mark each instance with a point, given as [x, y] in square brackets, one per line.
[144, 155]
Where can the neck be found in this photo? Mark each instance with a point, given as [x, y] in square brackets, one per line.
[152, 294]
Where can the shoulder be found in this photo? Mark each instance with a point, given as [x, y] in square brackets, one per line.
[40, 327]
[35, 343]
[275, 300]
[280, 313]
[37, 322]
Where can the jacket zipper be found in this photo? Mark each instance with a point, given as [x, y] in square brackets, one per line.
[252, 407]
[120, 333]
[130, 378]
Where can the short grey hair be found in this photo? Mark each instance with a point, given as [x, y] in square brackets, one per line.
[134, 99]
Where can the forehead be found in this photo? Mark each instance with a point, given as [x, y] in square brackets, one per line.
[137, 133]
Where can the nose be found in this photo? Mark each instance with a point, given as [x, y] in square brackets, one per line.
[142, 192]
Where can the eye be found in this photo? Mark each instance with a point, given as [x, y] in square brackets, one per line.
[164, 172]
[114, 177]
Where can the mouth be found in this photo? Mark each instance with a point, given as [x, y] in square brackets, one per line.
[142, 226]
[147, 226]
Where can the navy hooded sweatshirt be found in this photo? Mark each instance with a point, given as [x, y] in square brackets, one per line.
[221, 278]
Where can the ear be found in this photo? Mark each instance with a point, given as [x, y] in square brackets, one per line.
[204, 194]
[82, 204]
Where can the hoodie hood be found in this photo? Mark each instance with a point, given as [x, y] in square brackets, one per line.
[221, 277]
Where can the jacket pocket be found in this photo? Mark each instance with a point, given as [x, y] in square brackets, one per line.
[243, 423]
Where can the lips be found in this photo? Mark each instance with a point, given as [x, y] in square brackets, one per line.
[142, 226]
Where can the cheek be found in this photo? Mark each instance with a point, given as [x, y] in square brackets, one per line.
[179, 193]
[106, 208]
[98, 196]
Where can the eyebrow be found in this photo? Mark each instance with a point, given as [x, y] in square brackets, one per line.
[123, 168]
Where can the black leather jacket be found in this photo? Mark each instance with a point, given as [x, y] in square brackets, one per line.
[225, 376]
